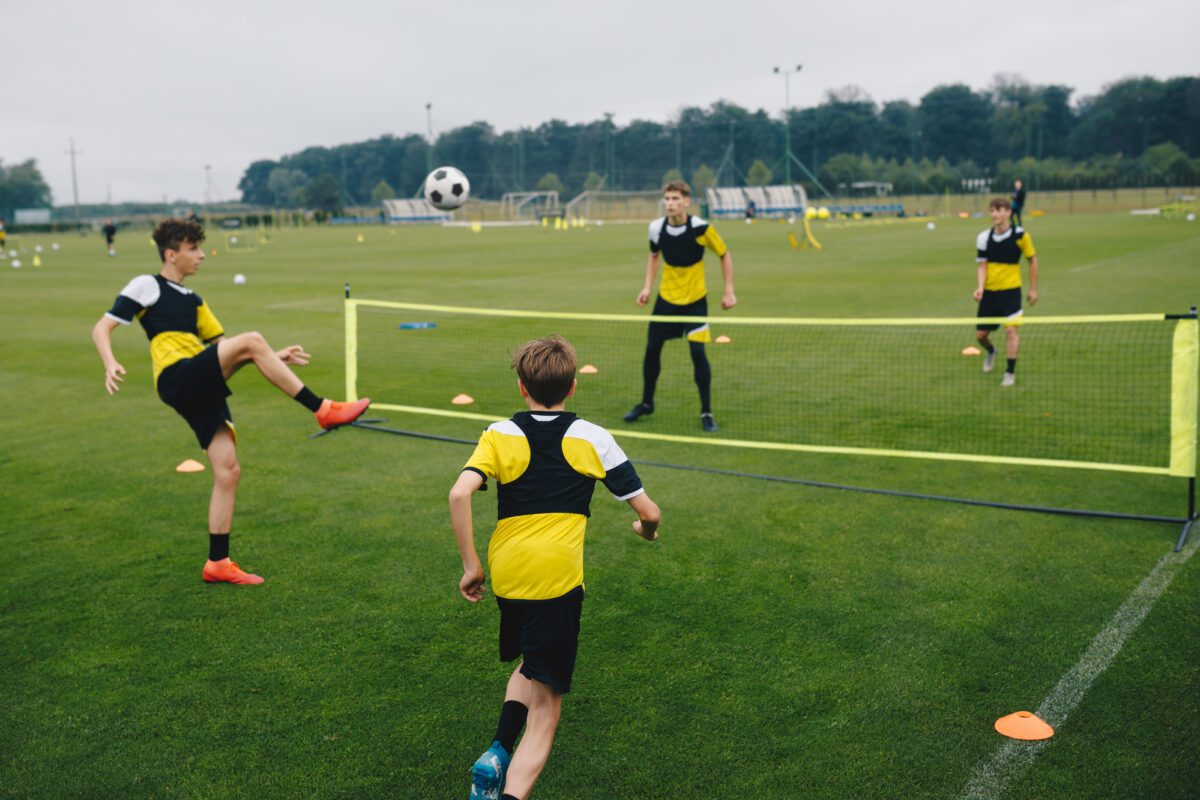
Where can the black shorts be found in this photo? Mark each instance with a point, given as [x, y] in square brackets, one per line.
[196, 389]
[674, 330]
[1003, 303]
[545, 633]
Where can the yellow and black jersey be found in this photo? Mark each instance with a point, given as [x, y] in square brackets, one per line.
[546, 465]
[682, 250]
[1002, 252]
[177, 322]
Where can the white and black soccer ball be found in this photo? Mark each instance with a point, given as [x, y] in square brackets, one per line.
[447, 188]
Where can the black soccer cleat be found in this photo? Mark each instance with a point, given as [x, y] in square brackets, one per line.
[639, 411]
[708, 423]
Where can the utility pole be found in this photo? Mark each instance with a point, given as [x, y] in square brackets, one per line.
[787, 130]
[74, 180]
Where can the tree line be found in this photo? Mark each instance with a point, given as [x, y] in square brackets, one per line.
[1136, 131]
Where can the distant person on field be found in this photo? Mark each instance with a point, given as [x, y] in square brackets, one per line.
[545, 462]
[192, 361]
[1018, 200]
[3, 235]
[998, 290]
[751, 210]
[679, 240]
[110, 236]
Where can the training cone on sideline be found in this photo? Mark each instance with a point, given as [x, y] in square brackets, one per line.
[970, 351]
[1024, 725]
[722, 340]
[588, 369]
[462, 400]
[190, 465]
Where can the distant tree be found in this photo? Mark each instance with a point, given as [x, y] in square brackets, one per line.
[671, 175]
[703, 179]
[844, 169]
[1167, 163]
[549, 183]
[254, 183]
[287, 187]
[955, 124]
[324, 194]
[759, 174]
[593, 182]
[382, 191]
[22, 186]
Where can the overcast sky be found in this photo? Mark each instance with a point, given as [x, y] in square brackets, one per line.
[153, 91]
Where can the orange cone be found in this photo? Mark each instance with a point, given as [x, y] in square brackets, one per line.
[588, 369]
[462, 400]
[1024, 725]
[190, 465]
[970, 351]
[723, 340]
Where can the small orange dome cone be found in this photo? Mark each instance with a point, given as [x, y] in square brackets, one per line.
[190, 465]
[1024, 725]
[462, 400]
[970, 351]
[588, 369]
[723, 340]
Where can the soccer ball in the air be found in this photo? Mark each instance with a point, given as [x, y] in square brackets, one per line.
[239, 279]
[447, 188]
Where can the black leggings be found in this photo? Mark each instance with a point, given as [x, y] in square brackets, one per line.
[652, 366]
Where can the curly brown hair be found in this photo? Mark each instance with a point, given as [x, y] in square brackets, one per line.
[171, 233]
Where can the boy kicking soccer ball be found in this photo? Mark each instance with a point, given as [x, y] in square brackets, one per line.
[545, 462]
[192, 361]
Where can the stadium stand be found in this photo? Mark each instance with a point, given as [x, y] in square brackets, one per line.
[413, 211]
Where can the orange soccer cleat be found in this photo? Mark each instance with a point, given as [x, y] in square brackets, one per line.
[226, 571]
[333, 414]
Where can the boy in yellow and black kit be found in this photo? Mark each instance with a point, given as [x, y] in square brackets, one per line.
[998, 252]
[545, 462]
[680, 240]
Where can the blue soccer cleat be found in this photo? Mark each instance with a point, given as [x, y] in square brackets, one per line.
[487, 775]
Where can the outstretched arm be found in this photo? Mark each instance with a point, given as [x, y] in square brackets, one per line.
[651, 271]
[646, 525]
[102, 338]
[471, 585]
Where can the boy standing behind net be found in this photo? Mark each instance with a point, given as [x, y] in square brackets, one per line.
[546, 462]
[998, 252]
[679, 241]
[192, 361]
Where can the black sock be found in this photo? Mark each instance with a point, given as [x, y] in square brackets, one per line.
[218, 546]
[1012, 365]
[989, 347]
[309, 400]
[512, 719]
[508, 797]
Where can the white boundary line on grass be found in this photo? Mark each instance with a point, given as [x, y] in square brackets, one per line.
[992, 777]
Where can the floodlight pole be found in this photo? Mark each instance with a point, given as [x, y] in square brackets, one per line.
[74, 180]
[787, 132]
[429, 128]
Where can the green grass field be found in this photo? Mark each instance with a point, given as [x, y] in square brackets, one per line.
[778, 641]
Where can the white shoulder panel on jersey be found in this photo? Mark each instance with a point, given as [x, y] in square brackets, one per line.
[656, 228]
[982, 240]
[506, 426]
[697, 221]
[142, 290]
[606, 446]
